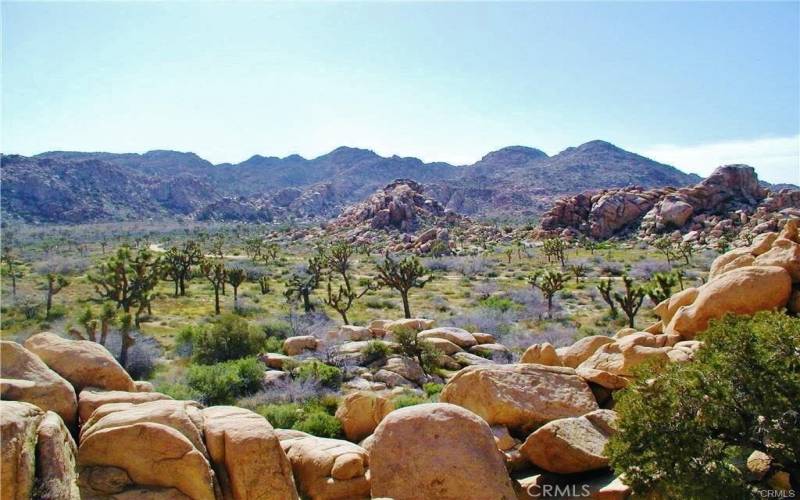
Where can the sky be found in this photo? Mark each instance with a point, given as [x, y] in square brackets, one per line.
[690, 84]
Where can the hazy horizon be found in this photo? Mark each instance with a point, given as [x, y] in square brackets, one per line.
[693, 85]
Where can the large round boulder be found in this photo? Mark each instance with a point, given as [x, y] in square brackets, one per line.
[571, 445]
[746, 290]
[360, 413]
[19, 422]
[90, 400]
[25, 377]
[82, 362]
[55, 460]
[458, 336]
[520, 396]
[580, 351]
[437, 450]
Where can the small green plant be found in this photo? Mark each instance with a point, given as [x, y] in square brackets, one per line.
[404, 400]
[223, 383]
[375, 350]
[229, 337]
[326, 375]
[320, 424]
[432, 389]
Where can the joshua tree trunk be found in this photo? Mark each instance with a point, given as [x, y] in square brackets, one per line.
[406, 308]
[216, 300]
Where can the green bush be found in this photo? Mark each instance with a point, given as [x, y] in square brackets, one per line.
[229, 337]
[375, 350]
[685, 432]
[501, 304]
[326, 375]
[277, 328]
[404, 400]
[432, 388]
[320, 424]
[273, 344]
[223, 383]
[281, 416]
[178, 391]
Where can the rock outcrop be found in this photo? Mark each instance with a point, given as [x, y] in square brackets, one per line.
[436, 451]
[520, 396]
[360, 413]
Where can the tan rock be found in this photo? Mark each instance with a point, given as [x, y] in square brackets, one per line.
[55, 460]
[762, 243]
[519, 396]
[454, 456]
[739, 262]
[103, 481]
[571, 445]
[89, 400]
[784, 253]
[406, 367]
[742, 291]
[247, 455]
[273, 360]
[352, 332]
[484, 338]
[758, 464]
[667, 309]
[143, 386]
[542, 354]
[794, 302]
[502, 438]
[624, 332]
[444, 346]
[361, 412]
[602, 378]
[727, 258]
[183, 416]
[496, 352]
[152, 454]
[790, 231]
[621, 357]
[19, 422]
[414, 324]
[581, 350]
[25, 377]
[296, 345]
[458, 336]
[82, 362]
[615, 490]
[313, 460]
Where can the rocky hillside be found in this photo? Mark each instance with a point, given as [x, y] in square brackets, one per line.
[74, 424]
[516, 181]
[730, 199]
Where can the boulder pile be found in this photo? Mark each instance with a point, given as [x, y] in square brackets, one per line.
[730, 201]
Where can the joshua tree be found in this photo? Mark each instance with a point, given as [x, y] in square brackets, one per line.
[7, 256]
[520, 247]
[305, 280]
[686, 250]
[579, 271]
[589, 244]
[664, 245]
[179, 264]
[270, 253]
[549, 282]
[338, 262]
[216, 275]
[125, 328]
[509, 252]
[89, 323]
[128, 279]
[236, 276]
[107, 317]
[606, 290]
[55, 283]
[661, 287]
[403, 276]
[254, 246]
[631, 300]
[263, 284]
[554, 249]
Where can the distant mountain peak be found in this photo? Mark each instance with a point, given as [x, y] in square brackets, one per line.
[514, 154]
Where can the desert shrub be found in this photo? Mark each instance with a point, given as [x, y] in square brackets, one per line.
[184, 340]
[404, 400]
[499, 303]
[277, 328]
[684, 432]
[285, 391]
[320, 424]
[414, 347]
[273, 344]
[178, 391]
[326, 375]
[222, 383]
[281, 416]
[375, 350]
[378, 303]
[143, 355]
[229, 337]
[432, 389]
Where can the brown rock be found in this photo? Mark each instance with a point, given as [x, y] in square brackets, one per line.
[361, 412]
[19, 422]
[762, 243]
[296, 345]
[723, 260]
[484, 338]
[25, 377]
[458, 336]
[415, 324]
[444, 346]
[620, 358]
[89, 400]
[247, 455]
[313, 460]
[454, 456]
[55, 460]
[520, 396]
[571, 445]
[82, 362]
[152, 454]
[742, 291]
[581, 350]
[542, 354]
[667, 309]
[784, 253]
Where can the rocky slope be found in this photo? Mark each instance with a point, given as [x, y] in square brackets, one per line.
[517, 181]
[75, 425]
[729, 200]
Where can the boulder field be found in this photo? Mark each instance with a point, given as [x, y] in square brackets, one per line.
[75, 425]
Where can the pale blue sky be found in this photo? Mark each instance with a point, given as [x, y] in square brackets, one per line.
[694, 84]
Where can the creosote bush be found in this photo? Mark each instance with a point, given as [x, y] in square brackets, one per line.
[685, 432]
[326, 375]
[223, 383]
[229, 337]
